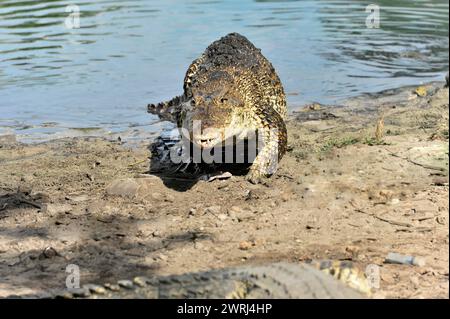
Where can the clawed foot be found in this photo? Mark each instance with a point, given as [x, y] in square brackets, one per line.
[255, 177]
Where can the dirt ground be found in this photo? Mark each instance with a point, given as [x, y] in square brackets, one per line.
[339, 193]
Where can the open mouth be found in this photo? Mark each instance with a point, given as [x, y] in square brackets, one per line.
[208, 139]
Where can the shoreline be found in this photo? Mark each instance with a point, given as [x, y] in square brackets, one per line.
[143, 132]
[340, 193]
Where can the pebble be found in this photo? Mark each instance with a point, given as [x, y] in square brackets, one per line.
[233, 210]
[386, 193]
[156, 233]
[78, 199]
[8, 139]
[55, 209]
[239, 214]
[285, 197]
[222, 217]
[421, 91]
[352, 249]
[440, 220]
[127, 187]
[49, 252]
[215, 210]
[198, 245]
[163, 257]
[245, 245]
[415, 281]
[169, 198]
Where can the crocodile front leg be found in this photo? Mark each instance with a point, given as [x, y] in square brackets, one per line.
[272, 131]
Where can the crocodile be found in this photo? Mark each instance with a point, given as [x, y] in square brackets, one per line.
[314, 280]
[230, 91]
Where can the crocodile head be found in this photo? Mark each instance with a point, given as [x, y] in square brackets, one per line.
[214, 114]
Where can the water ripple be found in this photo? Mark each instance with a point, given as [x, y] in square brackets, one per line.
[128, 53]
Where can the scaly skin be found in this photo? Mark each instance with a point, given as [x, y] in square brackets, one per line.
[317, 280]
[232, 87]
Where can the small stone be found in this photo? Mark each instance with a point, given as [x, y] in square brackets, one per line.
[198, 245]
[77, 199]
[387, 278]
[285, 197]
[250, 194]
[7, 139]
[49, 252]
[169, 198]
[314, 107]
[156, 233]
[222, 217]
[163, 257]
[421, 91]
[440, 220]
[387, 194]
[128, 284]
[245, 245]
[55, 209]
[123, 187]
[240, 214]
[415, 281]
[158, 197]
[234, 210]
[352, 249]
[361, 257]
[215, 210]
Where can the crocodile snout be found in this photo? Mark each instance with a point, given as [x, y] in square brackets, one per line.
[208, 139]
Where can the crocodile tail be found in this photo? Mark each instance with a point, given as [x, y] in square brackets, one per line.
[167, 110]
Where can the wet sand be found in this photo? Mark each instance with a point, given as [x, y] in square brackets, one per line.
[342, 192]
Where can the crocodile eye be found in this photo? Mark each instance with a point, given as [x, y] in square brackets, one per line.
[223, 100]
